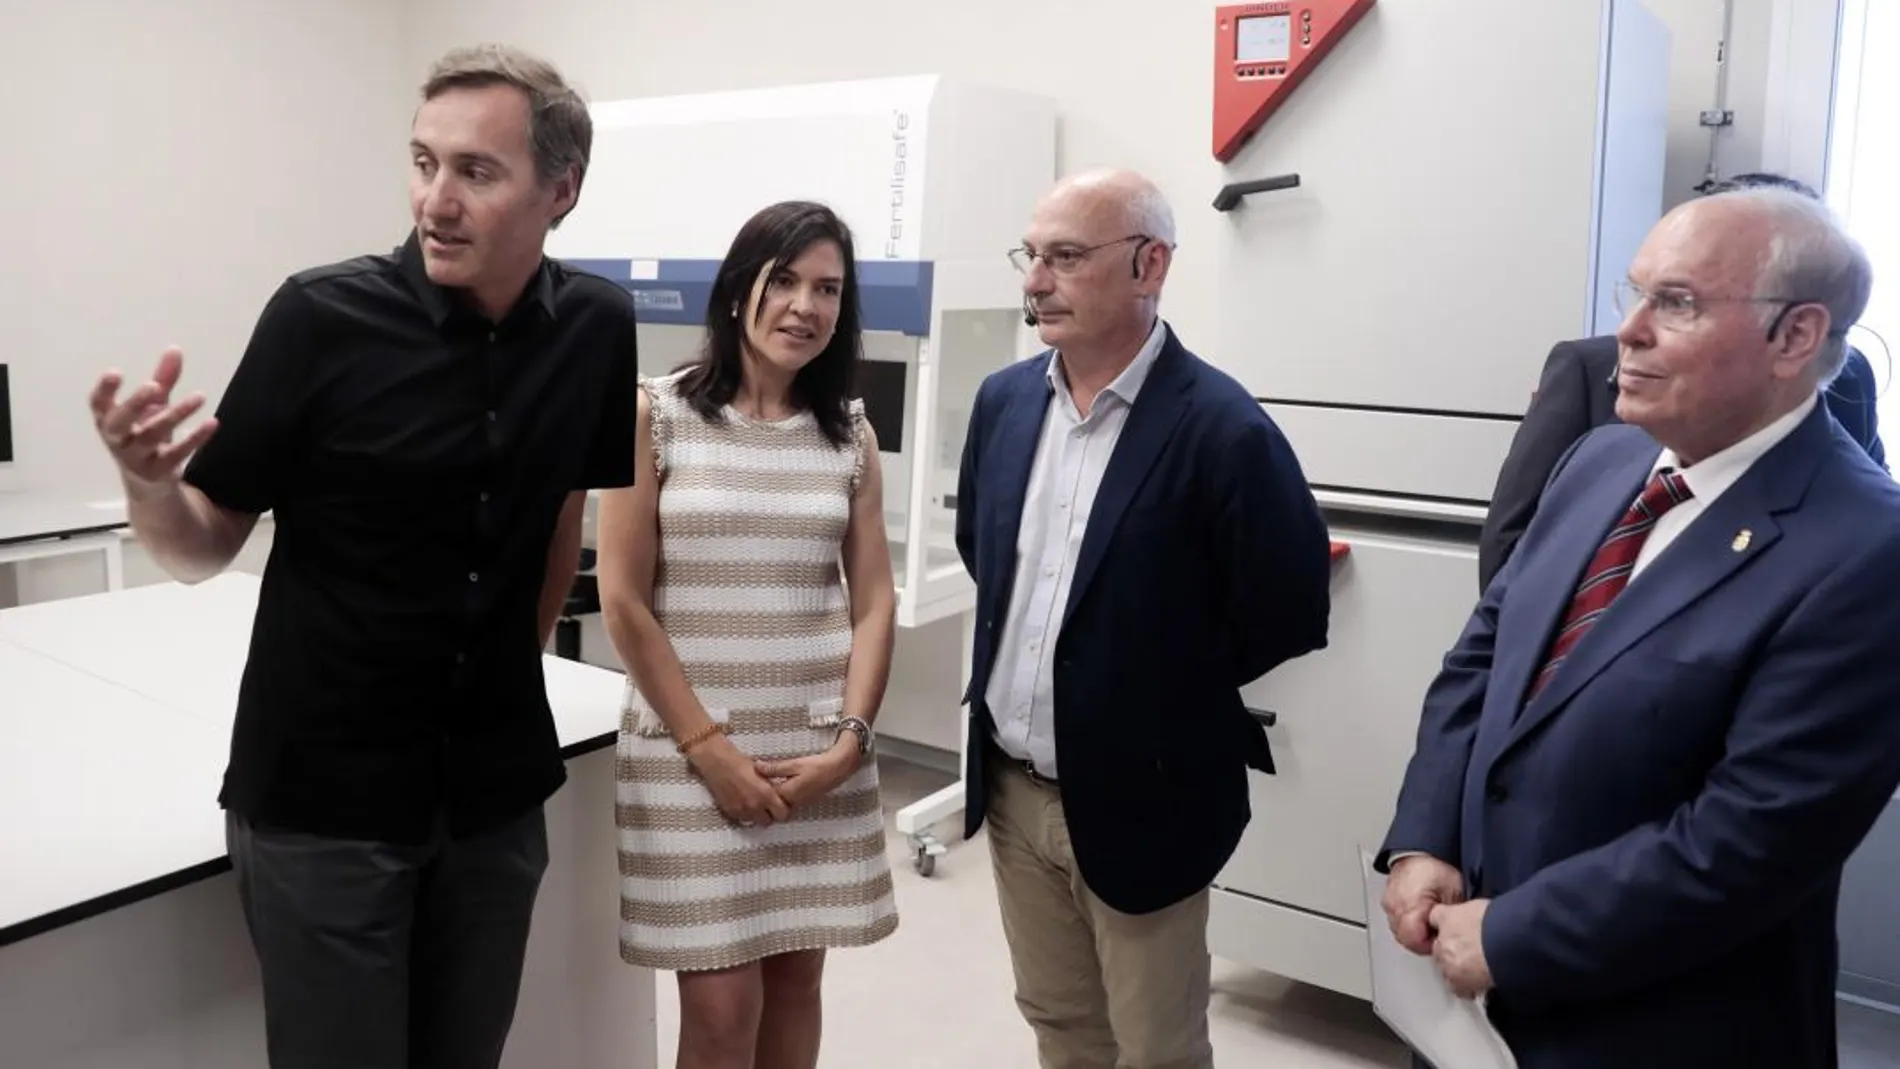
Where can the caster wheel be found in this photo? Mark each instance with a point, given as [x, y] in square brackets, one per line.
[926, 863]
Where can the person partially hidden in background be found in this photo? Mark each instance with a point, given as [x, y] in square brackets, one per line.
[1672, 716]
[424, 424]
[1577, 392]
[1144, 545]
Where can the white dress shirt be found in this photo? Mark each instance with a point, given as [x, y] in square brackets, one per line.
[1071, 455]
[1711, 477]
[1707, 481]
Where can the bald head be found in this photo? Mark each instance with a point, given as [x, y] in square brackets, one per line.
[1126, 197]
[1094, 260]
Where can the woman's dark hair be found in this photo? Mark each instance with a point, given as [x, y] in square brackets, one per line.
[773, 238]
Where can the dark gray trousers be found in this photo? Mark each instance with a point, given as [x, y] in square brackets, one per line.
[377, 956]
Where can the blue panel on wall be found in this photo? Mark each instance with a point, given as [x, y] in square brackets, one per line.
[894, 294]
[616, 270]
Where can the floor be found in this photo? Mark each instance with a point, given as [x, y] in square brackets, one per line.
[936, 995]
[1870, 1038]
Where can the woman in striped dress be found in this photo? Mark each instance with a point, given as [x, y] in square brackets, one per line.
[746, 583]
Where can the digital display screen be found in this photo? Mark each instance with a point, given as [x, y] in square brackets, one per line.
[1263, 38]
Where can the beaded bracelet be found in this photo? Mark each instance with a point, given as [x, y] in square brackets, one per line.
[705, 732]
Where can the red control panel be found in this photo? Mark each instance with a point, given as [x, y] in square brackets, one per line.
[1262, 51]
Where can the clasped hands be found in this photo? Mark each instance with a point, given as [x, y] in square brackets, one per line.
[752, 792]
[1425, 905]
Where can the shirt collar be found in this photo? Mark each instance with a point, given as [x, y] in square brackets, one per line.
[1721, 470]
[441, 302]
[1127, 384]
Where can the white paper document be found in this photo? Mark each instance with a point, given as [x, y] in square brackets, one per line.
[1411, 996]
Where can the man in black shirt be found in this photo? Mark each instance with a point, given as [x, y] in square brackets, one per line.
[423, 425]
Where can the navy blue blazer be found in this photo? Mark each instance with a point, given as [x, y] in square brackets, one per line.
[1661, 830]
[1577, 392]
[1205, 564]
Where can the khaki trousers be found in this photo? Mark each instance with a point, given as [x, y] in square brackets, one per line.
[1101, 989]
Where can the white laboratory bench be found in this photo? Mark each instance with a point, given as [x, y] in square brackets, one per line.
[36, 525]
[121, 941]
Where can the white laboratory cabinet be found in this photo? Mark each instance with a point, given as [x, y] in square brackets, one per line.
[1473, 175]
[1291, 900]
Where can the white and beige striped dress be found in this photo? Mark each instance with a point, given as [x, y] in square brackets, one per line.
[749, 588]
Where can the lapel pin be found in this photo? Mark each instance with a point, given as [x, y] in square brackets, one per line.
[1741, 540]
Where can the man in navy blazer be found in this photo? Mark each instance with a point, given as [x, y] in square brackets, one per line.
[1576, 392]
[1668, 724]
[1144, 544]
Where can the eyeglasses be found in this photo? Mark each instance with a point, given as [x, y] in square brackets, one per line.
[1067, 258]
[1676, 309]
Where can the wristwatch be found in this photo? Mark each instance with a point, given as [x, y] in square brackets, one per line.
[859, 728]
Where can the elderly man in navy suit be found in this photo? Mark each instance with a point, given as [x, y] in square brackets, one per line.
[1676, 710]
[1577, 392]
[1144, 545]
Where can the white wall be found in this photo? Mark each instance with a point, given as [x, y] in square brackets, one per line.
[1136, 97]
[1696, 28]
[167, 165]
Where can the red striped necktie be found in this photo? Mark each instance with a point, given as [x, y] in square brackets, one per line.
[1610, 569]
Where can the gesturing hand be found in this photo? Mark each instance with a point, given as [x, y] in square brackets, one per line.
[138, 431]
[1417, 884]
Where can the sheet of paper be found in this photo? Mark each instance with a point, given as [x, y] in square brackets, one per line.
[1413, 999]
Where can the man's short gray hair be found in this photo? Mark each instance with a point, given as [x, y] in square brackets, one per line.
[1149, 213]
[1811, 258]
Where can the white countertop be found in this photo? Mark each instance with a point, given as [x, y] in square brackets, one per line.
[27, 516]
[115, 718]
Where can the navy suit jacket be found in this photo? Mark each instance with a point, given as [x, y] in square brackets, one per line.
[1577, 392]
[1661, 830]
[1205, 564]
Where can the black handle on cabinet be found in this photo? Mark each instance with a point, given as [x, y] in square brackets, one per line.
[1230, 195]
[1267, 717]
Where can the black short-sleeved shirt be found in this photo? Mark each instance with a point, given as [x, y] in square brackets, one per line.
[415, 457]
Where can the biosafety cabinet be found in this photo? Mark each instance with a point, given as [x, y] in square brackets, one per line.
[935, 177]
[1450, 192]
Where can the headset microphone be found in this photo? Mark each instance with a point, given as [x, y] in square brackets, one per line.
[1029, 313]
